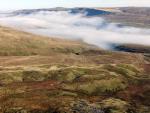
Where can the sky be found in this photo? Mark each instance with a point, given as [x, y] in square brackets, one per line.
[33, 4]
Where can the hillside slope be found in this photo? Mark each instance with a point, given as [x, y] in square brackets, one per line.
[49, 75]
[17, 43]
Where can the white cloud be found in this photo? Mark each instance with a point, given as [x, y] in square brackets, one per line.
[93, 30]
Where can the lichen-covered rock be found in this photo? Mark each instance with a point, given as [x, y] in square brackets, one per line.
[83, 106]
[16, 110]
[114, 105]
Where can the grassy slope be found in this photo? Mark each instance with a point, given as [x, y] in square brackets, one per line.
[18, 43]
[88, 81]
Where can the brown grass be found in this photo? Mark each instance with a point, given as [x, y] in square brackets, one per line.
[19, 43]
[41, 74]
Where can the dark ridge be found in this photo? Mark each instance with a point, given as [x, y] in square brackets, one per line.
[89, 11]
[30, 11]
[131, 48]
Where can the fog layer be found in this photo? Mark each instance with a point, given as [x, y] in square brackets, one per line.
[92, 30]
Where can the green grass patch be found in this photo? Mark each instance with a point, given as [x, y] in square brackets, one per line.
[9, 77]
[33, 75]
[97, 87]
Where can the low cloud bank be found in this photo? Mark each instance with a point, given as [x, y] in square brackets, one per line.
[93, 30]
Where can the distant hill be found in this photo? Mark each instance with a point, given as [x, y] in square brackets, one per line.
[87, 11]
[31, 11]
[130, 16]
